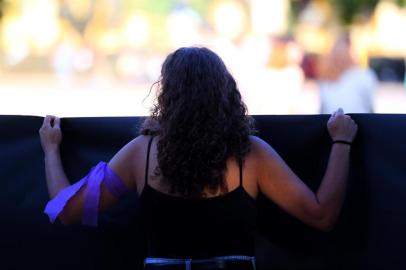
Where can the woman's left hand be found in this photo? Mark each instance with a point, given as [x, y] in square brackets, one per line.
[50, 134]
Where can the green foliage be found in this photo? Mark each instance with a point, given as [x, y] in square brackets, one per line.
[2, 4]
[401, 3]
[349, 9]
[157, 7]
[201, 6]
[164, 7]
[296, 7]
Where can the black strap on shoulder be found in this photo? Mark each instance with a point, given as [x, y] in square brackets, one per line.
[147, 162]
[240, 165]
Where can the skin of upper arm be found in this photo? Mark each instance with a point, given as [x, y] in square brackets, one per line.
[121, 164]
[280, 184]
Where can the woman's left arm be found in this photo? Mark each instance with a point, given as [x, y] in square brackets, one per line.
[57, 181]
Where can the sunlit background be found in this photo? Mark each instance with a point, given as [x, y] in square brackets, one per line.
[100, 57]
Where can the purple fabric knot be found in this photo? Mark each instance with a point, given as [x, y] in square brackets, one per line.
[101, 172]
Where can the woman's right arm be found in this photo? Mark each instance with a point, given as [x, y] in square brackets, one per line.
[118, 170]
[278, 182]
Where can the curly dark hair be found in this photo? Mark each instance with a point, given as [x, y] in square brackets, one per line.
[201, 122]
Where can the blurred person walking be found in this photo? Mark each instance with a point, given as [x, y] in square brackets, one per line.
[343, 83]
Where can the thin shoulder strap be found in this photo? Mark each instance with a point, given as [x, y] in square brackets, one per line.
[240, 165]
[147, 162]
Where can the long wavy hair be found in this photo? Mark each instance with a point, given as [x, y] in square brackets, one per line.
[201, 122]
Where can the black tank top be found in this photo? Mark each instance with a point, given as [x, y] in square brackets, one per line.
[197, 228]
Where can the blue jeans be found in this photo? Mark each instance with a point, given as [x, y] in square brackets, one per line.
[217, 263]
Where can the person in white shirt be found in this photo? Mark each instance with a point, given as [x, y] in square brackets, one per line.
[343, 83]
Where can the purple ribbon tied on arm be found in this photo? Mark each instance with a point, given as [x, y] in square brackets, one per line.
[98, 174]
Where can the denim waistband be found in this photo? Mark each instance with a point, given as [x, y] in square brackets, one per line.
[189, 263]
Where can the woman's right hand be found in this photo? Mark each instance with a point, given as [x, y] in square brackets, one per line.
[341, 126]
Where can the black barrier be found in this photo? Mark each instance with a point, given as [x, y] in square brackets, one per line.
[370, 233]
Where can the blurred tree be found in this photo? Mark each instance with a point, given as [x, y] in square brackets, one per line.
[401, 3]
[296, 7]
[155, 7]
[2, 5]
[348, 10]
[163, 8]
[201, 6]
[78, 13]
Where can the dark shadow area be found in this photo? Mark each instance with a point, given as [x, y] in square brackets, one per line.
[369, 235]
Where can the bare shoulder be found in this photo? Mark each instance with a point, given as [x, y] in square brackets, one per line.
[129, 159]
[137, 144]
[126, 155]
[264, 155]
[259, 160]
[261, 148]
[256, 141]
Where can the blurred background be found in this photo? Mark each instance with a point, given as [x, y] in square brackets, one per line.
[101, 57]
